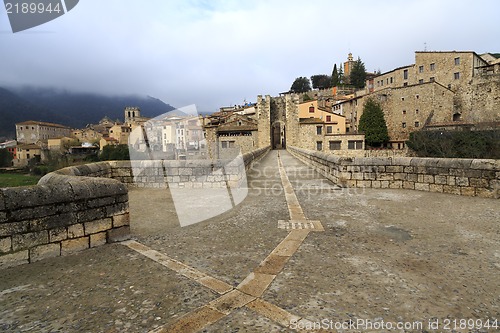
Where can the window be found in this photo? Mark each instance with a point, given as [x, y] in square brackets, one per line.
[405, 84]
[228, 144]
[417, 124]
[405, 74]
[403, 125]
[311, 109]
[402, 98]
[420, 81]
[404, 111]
[319, 130]
[417, 96]
[457, 61]
[420, 69]
[391, 79]
[432, 79]
[355, 144]
[335, 145]
[433, 67]
[456, 76]
[329, 129]
[416, 111]
[328, 118]
[319, 145]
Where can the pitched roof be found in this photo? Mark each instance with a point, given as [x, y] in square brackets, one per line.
[41, 123]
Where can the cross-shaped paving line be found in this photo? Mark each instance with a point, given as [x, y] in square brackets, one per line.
[249, 291]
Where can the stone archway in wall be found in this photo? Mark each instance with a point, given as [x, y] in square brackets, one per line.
[278, 137]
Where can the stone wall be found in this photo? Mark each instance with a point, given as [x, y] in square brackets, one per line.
[85, 206]
[62, 215]
[455, 176]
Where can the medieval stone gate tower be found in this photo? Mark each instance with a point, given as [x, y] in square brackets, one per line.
[278, 121]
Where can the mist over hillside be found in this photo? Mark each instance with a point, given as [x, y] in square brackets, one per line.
[72, 109]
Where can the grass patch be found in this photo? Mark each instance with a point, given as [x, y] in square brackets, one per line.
[15, 180]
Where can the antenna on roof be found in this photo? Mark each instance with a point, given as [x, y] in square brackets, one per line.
[425, 46]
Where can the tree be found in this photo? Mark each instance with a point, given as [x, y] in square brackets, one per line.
[357, 77]
[115, 153]
[301, 85]
[335, 76]
[372, 124]
[341, 75]
[320, 81]
[5, 158]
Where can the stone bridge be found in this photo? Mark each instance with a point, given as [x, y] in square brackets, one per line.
[381, 252]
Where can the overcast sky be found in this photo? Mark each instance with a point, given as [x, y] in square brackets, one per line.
[216, 53]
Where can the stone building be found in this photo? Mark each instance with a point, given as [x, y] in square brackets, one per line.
[27, 152]
[445, 89]
[32, 132]
[229, 135]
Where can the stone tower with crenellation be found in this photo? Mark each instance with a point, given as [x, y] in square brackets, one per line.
[264, 120]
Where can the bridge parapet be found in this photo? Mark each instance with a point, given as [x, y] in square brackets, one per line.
[468, 177]
[85, 206]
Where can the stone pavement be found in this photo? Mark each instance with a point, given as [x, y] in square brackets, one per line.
[299, 253]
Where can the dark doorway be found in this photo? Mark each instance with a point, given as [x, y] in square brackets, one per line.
[276, 136]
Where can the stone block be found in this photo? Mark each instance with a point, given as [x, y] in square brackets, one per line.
[364, 183]
[384, 184]
[385, 176]
[45, 251]
[100, 202]
[473, 173]
[408, 185]
[394, 168]
[369, 176]
[412, 177]
[422, 187]
[121, 220]
[91, 214]
[3, 217]
[94, 227]
[462, 181]
[452, 181]
[5, 245]
[436, 188]
[29, 240]
[400, 176]
[488, 193]
[468, 191]
[98, 239]
[118, 234]
[428, 179]
[409, 169]
[357, 176]
[52, 222]
[34, 196]
[74, 245]
[489, 174]
[76, 231]
[451, 189]
[14, 259]
[479, 182]
[8, 229]
[485, 164]
[58, 234]
[376, 184]
[440, 180]
[396, 184]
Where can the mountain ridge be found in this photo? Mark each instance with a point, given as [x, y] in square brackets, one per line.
[72, 109]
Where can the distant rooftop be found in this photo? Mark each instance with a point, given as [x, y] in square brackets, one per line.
[41, 123]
